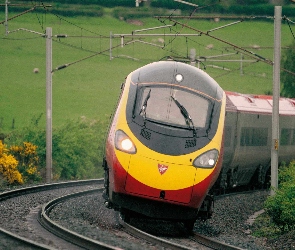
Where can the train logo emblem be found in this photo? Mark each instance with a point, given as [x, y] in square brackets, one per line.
[162, 168]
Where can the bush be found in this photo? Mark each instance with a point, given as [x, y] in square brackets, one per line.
[8, 167]
[281, 206]
[28, 161]
[77, 147]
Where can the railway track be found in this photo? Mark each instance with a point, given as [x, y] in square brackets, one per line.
[77, 241]
[64, 233]
[197, 240]
[19, 213]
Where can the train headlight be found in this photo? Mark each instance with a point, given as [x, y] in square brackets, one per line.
[207, 159]
[124, 143]
[179, 77]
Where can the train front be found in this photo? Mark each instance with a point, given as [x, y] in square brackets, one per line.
[164, 148]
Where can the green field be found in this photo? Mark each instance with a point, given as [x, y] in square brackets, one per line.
[90, 87]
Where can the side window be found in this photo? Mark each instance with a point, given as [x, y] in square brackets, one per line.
[286, 136]
[245, 137]
[253, 136]
[260, 136]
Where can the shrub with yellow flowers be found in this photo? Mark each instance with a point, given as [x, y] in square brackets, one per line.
[27, 161]
[9, 166]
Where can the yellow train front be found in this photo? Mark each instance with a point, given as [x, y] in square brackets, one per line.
[165, 142]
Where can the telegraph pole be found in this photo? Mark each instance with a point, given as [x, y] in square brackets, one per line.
[48, 105]
[276, 99]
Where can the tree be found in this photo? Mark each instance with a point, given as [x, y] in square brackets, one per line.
[287, 79]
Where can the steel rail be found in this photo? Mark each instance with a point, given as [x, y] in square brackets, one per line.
[196, 237]
[151, 238]
[214, 244]
[38, 188]
[65, 233]
[24, 241]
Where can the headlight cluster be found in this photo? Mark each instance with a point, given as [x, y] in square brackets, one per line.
[124, 143]
[207, 159]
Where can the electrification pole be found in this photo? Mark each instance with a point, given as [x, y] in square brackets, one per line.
[6, 18]
[111, 44]
[48, 105]
[276, 99]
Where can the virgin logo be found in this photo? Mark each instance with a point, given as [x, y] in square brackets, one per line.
[162, 168]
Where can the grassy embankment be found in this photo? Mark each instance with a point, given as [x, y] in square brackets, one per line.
[90, 87]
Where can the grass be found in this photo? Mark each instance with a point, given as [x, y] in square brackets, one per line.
[264, 227]
[90, 87]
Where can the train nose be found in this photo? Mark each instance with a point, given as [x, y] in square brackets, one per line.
[151, 178]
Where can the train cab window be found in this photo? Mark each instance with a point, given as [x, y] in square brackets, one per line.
[173, 106]
[285, 138]
[253, 136]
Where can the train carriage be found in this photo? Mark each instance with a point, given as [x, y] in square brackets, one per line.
[248, 133]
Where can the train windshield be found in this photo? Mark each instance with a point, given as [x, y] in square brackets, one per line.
[173, 106]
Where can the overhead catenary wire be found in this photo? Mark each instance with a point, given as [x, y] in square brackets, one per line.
[20, 14]
[241, 49]
[177, 33]
[289, 22]
[85, 58]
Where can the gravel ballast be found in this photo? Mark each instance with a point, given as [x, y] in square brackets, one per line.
[231, 222]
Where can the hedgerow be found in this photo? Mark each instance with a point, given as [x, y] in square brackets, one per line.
[281, 206]
[96, 7]
[77, 147]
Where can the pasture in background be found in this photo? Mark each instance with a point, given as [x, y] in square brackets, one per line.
[90, 88]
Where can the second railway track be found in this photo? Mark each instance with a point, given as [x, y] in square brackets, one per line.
[19, 209]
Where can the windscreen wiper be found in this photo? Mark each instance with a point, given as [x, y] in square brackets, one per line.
[134, 105]
[144, 106]
[184, 112]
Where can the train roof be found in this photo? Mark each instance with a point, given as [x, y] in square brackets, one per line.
[237, 102]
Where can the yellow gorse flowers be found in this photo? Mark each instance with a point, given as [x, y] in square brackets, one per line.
[8, 166]
[19, 164]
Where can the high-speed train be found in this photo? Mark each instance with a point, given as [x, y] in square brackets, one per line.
[165, 143]
[176, 138]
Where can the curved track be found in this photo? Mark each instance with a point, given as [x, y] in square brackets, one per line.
[14, 238]
[66, 234]
[193, 241]
[200, 242]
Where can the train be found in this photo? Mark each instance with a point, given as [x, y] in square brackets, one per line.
[164, 145]
[176, 137]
